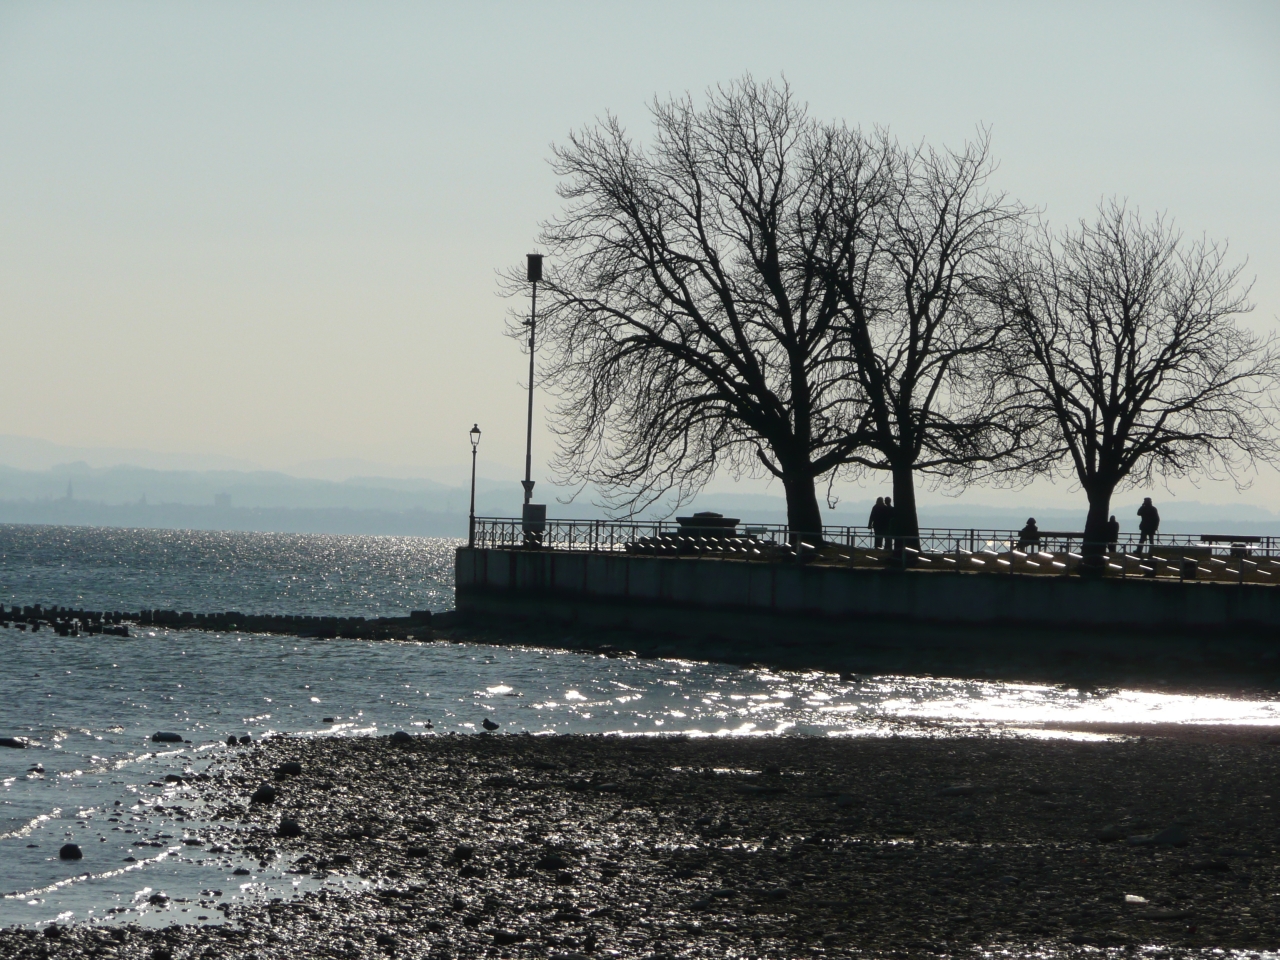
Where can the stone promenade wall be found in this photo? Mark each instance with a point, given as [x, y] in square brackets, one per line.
[687, 586]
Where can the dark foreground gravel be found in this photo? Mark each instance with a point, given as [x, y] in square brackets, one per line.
[520, 846]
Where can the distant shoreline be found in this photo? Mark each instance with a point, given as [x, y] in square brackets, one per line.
[338, 521]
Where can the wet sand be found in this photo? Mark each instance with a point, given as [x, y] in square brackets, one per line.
[520, 846]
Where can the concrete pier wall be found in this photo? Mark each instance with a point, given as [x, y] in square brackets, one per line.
[849, 594]
[863, 620]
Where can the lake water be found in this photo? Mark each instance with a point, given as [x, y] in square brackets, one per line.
[89, 705]
[97, 568]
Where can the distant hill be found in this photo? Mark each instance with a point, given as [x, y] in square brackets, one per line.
[75, 493]
[176, 516]
[226, 499]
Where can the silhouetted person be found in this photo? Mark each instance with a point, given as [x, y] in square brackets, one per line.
[1029, 536]
[888, 524]
[879, 521]
[1113, 533]
[1149, 525]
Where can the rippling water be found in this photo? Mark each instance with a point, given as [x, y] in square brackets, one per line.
[89, 705]
[99, 568]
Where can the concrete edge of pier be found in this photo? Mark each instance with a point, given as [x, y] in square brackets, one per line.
[863, 620]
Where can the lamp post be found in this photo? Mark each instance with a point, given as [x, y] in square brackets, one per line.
[475, 442]
[533, 518]
[534, 274]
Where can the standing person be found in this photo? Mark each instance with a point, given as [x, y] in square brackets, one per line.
[1149, 525]
[888, 524]
[1113, 533]
[877, 522]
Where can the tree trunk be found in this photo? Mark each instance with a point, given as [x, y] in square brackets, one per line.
[906, 522]
[1095, 530]
[803, 515]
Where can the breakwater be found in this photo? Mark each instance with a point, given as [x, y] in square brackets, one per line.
[865, 619]
[66, 621]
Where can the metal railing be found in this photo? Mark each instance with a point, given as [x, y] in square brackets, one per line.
[623, 535]
[1231, 558]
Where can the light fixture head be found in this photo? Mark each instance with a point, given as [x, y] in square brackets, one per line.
[475, 436]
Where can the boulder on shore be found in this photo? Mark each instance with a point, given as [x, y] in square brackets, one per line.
[265, 793]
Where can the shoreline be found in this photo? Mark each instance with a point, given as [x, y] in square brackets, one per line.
[1162, 676]
[927, 650]
[572, 846]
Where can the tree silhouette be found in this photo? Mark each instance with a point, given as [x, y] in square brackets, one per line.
[1127, 340]
[921, 328]
[689, 319]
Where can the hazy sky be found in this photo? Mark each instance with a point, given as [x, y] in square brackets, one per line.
[270, 231]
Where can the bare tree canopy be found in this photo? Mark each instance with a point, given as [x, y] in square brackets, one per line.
[1126, 337]
[920, 327]
[689, 324]
[758, 292]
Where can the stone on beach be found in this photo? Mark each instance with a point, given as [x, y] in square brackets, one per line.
[70, 851]
[13, 742]
[290, 768]
[1174, 836]
[265, 793]
[166, 736]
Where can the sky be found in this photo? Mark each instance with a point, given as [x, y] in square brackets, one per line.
[271, 232]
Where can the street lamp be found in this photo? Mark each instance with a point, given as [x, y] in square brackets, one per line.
[533, 518]
[475, 442]
[534, 274]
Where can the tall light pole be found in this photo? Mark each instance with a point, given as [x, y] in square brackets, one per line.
[475, 442]
[534, 275]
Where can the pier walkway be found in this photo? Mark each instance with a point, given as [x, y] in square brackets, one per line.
[1231, 558]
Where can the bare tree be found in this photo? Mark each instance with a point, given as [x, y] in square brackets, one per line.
[921, 329]
[1127, 338]
[690, 325]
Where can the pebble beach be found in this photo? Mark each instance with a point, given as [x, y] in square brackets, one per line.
[502, 845]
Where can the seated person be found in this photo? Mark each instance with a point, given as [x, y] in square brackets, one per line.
[1029, 536]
